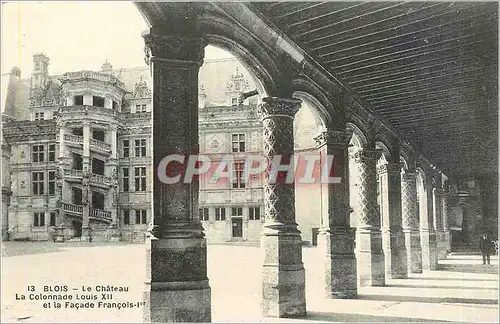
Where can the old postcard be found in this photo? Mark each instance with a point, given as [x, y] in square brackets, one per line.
[249, 161]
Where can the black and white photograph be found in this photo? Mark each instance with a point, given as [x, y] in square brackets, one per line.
[248, 162]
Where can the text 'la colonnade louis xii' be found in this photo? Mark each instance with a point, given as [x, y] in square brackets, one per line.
[363, 132]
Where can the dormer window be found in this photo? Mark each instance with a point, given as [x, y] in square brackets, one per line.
[39, 116]
[235, 101]
[140, 108]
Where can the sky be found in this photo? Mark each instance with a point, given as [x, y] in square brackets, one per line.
[74, 35]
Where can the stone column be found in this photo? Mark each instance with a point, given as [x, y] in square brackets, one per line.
[108, 101]
[87, 170]
[336, 236]
[6, 189]
[70, 100]
[86, 147]
[369, 253]
[64, 163]
[112, 199]
[446, 222]
[438, 223]
[428, 234]
[394, 242]
[177, 289]
[6, 193]
[86, 207]
[411, 221]
[283, 286]
[88, 99]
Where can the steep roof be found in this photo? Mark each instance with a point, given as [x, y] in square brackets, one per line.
[214, 76]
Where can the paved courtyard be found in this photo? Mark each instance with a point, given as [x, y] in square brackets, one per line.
[462, 290]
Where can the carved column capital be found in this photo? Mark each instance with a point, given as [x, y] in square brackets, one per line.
[409, 176]
[173, 47]
[366, 155]
[390, 168]
[278, 107]
[336, 139]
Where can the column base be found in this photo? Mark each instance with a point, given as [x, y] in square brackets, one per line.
[447, 237]
[429, 250]
[86, 234]
[396, 265]
[413, 251]
[59, 236]
[283, 276]
[178, 302]
[178, 289]
[370, 257]
[340, 265]
[441, 245]
[114, 233]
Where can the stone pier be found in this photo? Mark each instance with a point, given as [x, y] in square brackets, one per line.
[177, 289]
[369, 253]
[427, 232]
[336, 237]
[411, 222]
[283, 277]
[394, 243]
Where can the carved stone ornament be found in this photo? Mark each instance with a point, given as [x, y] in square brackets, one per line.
[364, 155]
[237, 82]
[174, 47]
[141, 89]
[390, 168]
[272, 106]
[336, 139]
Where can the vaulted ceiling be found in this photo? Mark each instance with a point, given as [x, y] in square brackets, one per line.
[428, 68]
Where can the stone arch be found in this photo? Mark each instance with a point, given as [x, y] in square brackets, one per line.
[386, 152]
[325, 112]
[223, 33]
[262, 79]
[318, 110]
[150, 11]
[404, 163]
[359, 138]
[388, 147]
[220, 32]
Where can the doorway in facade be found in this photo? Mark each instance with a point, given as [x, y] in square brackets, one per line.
[77, 228]
[237, 226]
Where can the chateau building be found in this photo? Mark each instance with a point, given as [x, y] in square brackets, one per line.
[76, 154]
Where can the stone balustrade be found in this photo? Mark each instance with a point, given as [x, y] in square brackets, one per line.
[99, 144]
[78, 209]
[73, 173]
[94, 178]
[99, 213]
[72, 208]
[73, 138]
[105, 77]
[100, 179]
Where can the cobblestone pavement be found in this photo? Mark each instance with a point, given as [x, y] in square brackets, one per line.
[462, 290]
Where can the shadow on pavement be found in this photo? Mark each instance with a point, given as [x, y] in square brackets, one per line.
[469, 268]
[450, 279]
[346, 317]
[439, 287]
[432, 300]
